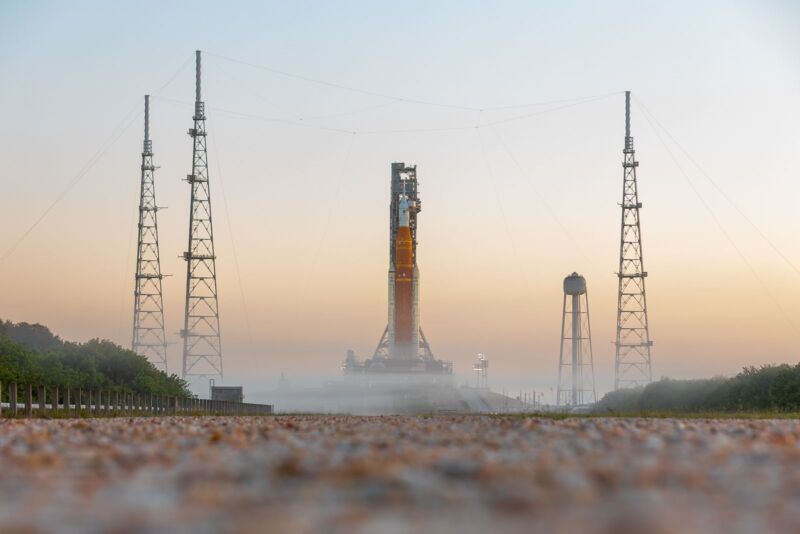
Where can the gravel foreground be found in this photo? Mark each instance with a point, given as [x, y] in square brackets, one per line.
[399, 474]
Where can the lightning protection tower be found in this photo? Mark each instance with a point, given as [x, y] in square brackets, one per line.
[633, 344]
[148, 309]
[575, 360]
[202, 348]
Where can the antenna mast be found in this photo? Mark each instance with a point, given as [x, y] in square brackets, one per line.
[632, 363]
[202, 347]
[148, 311]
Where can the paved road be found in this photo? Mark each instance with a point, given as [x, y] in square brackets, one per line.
[399, 474]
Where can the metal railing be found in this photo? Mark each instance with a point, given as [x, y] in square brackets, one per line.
[27, 400]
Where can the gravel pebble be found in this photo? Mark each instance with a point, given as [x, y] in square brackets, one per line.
[399, 474]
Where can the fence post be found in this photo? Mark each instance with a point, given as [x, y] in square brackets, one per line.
[28, 400]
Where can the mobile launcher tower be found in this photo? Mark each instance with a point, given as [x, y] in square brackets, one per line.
[403, 348]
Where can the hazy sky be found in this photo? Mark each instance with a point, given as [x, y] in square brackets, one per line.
[305, 207]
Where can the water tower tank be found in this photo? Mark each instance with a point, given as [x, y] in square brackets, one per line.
[574, 284]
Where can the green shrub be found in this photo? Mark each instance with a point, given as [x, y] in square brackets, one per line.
[32, 354]
[765, 388]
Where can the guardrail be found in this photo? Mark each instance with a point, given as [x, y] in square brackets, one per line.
[28, 400]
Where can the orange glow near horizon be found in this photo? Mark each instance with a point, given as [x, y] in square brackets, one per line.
[513, 199]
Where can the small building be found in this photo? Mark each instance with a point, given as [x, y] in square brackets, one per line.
[227, 393]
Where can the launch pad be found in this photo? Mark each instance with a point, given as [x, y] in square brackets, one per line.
[403, 348]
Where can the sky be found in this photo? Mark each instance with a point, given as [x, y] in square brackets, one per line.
[515, 195]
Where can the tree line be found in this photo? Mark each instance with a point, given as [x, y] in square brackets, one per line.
[765, 388]
[32, 354]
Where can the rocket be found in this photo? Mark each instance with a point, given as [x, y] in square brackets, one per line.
[404, 309]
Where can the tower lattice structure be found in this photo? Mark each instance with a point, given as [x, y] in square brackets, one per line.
[633, 343]
[202, 347]
[149, 339]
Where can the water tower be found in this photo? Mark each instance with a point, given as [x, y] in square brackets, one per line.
[575, 365]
